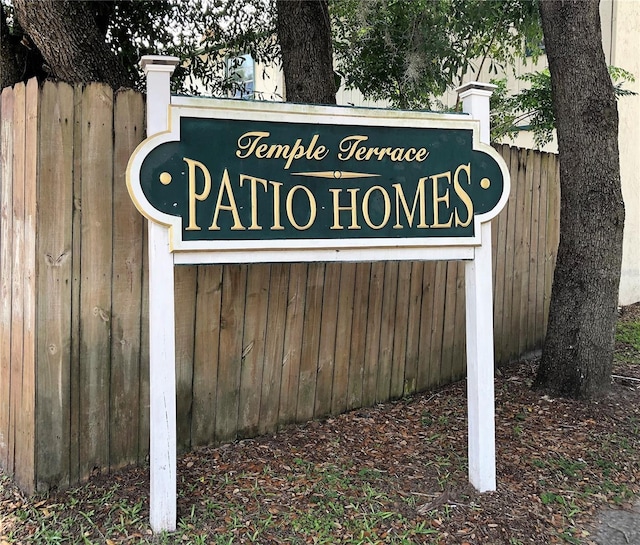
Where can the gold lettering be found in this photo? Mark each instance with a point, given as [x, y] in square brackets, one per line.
[319, 153]
[297, 152]
[437, 199]
[254, 198]
[277, 226]
[401, 200]
[262, 151]
[464, 196]
[361, 154]
[380, 152]
[312, 208]
[348, 146]
[410, 155]
[337, 208]
[248, 141]
[277, 150]
[225, 186]
[193, 195]
[365, 207]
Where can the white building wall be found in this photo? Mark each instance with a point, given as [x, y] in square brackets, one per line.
[621, 44]
[624, 51]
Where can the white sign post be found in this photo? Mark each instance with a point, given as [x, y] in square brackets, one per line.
[162, 351]
[479, 318]
[171, 243]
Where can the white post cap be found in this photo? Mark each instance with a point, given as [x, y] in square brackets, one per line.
[158, 62]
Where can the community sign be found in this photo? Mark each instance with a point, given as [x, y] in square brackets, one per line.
[225, 181]
[253, 176]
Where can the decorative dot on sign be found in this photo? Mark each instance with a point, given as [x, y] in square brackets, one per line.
[485, 183]
[165, 178]
[337, 174]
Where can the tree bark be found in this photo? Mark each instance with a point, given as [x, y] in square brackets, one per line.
[304, 32]
[578, 349]
[9, 67]
[67, 35]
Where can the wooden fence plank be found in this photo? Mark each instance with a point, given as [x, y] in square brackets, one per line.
[387, 327]
[343, 340]
[499, 229]
[372, 342]
[327, 348]
[510, 316]
[542, 241]
[17, 294]
[25, 447]
[449, 324]
[55, 187]
[358, 335]
[96, 269]
[205, 359]
[126, 304]
[438, 323]
[310, 342]
[274, 345]
[76, 251]
[515, 280]
[6, 269]
[502, 269]
[524, 247]
[234, 283]
[292, 343]
[253, 349]
[553, 231]
[533, 166]
[185, 303]
[413, 329]
[458, 359]
[399, 357]
[145, 413]
[425, 372]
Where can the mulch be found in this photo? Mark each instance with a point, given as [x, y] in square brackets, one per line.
[558, 462]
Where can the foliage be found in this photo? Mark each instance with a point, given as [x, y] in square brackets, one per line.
[229, 30]
[532, 108]
[408, 51]
[404, 51]
[203, 34]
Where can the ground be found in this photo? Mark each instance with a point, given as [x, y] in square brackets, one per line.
[393, 473]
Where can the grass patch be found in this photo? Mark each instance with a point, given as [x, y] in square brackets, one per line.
[629, 333]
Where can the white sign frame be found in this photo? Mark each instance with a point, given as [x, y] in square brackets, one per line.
[163, 112]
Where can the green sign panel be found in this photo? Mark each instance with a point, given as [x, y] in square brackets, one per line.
[317, 176]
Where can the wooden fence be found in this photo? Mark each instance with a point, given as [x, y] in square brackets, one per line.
[258, 346]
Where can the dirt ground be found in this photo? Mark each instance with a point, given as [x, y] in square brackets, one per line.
[559, 464]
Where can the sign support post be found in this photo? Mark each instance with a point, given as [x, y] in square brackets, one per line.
[479, 325]
[162, 352]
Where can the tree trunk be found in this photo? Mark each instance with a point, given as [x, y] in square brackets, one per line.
[9, 69]
[67, 35]
[578, 349]
[304, 32]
